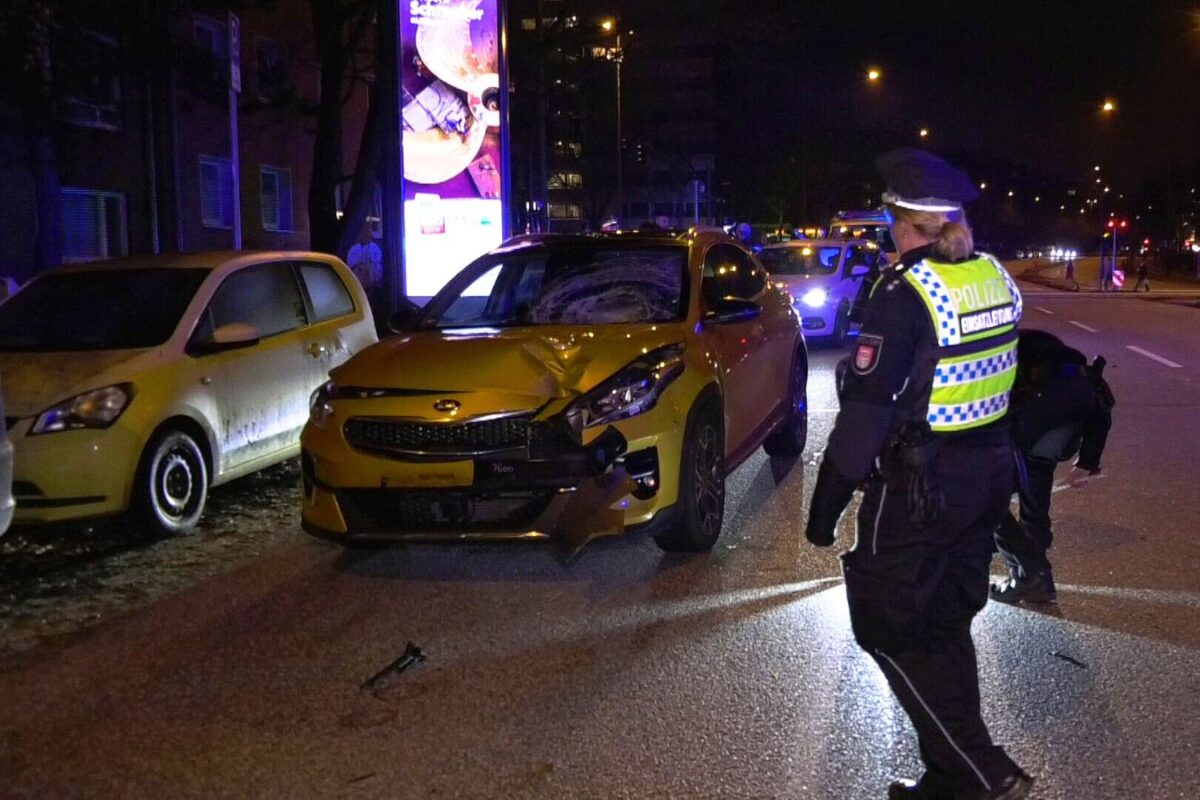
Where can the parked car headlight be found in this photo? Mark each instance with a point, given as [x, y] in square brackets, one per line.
[98, 408]
[815, 298]
[632, 391]
[320, 404]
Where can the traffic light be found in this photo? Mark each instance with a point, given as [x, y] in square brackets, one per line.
[1124, 222]
[1111, 223]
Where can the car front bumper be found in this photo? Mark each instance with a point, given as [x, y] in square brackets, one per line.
[72, 475]
[574, 493]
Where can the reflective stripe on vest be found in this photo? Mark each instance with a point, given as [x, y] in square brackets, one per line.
[972, 304]
[972, 390]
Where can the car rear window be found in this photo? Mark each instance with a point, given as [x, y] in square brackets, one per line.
[100, 309]
[326, 292]
[800, 260]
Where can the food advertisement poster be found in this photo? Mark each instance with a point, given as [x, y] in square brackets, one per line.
[451, 117]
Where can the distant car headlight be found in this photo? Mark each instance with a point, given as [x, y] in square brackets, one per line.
[632, 391]
[814, 298]
[320, 404]
[98, 408]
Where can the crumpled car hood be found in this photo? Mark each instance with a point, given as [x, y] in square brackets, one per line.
[542, 361]
[32, 382]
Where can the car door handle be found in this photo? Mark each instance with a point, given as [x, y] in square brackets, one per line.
[316, 350]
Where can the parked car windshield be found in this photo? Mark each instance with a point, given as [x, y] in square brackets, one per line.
[567, 286]
[101, 309]
[792, 260]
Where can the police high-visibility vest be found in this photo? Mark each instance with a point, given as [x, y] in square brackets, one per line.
[975, 307]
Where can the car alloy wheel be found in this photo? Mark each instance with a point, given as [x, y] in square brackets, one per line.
[710, 480]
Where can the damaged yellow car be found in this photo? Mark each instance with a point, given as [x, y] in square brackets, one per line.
[562, 387]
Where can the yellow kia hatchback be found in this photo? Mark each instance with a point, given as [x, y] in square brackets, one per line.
[134, 385]
[562, 387]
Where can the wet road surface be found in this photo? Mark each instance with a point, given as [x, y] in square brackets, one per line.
[630, 673]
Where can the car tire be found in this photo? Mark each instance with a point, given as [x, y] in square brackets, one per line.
[791, 436]
[171, 485]
[700, 510]
[841, 326]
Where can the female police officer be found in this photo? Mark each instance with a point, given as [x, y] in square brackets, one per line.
[922, 425]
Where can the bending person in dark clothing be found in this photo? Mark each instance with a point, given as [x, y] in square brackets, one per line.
[1060, 406]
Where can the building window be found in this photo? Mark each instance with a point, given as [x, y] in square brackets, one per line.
[86, 75]
[271, 62]
[565, 180]
[565, 211]
[216, 192]
[93, 225]
[276, 184]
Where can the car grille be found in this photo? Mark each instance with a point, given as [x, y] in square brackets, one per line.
[445, 510]
[401, 437]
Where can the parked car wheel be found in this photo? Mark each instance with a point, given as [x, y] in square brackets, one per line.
[791, 436]
[701, 506]
[171, 485]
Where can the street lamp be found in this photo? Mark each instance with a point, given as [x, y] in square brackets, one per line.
[924, 133]
[1109, 106]
[617, 55]
[874, 74]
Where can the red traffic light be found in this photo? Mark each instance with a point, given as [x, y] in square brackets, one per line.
[1146, 241]
[1124, 223]
[1110, 223]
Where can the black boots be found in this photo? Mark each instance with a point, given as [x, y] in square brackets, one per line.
[1015, 787]
[1037, 588]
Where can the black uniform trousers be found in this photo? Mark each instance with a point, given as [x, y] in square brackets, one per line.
[1023, 544]
[912, 595]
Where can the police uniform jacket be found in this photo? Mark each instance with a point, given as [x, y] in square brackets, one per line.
[928, 352]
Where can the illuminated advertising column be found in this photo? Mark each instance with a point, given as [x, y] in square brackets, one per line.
[453, 155]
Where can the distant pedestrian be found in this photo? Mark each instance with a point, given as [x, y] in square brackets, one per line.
[365, 260]
[1072, 284]
[1143, 275]
[1106, 273]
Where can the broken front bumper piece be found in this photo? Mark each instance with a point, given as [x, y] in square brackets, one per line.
[567, 492]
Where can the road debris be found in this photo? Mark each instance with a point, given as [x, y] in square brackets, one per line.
[1068, 659]
[412, 655]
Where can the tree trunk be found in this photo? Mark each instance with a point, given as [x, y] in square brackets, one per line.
[324, 227]
[366, 176]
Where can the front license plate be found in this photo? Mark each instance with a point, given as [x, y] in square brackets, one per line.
[428, 476]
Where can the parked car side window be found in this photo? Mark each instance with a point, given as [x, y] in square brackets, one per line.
[326, 292]
[265, 296]
[730, 272]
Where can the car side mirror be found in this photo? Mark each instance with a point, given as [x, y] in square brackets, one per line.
[404, 317]
[732, 310]
[232, 336]
[860, 271]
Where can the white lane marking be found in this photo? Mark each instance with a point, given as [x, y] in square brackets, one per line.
[1044, 310]
[1166, 361]
[1081, 325]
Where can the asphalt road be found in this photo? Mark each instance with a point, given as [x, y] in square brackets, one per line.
[628, 673]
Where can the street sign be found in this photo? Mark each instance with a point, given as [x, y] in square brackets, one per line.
[235, 53]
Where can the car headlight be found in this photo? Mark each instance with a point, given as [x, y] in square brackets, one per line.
[98, 408]
[815, 298]
[632, 391]
[320, 404]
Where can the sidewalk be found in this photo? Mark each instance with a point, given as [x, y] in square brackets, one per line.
[1087, 275]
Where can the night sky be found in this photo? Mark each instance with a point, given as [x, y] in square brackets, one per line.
[1018, 79]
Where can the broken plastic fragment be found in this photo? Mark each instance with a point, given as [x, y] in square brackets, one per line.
[411, 655]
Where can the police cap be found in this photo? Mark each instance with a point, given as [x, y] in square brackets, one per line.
[919, 180]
